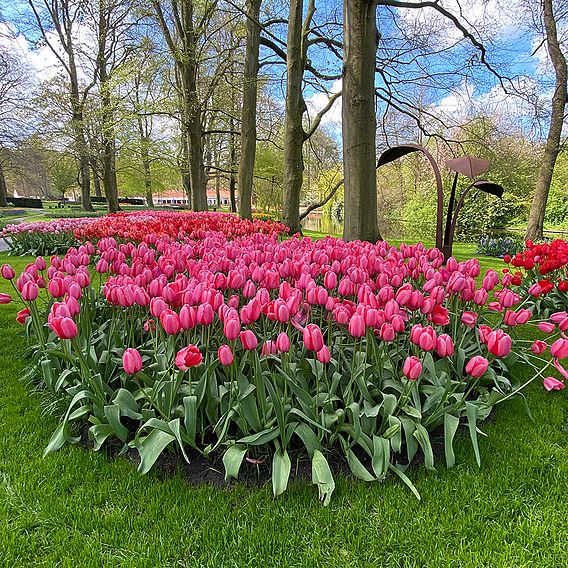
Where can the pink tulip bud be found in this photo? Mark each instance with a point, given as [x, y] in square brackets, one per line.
[205, 314]
[559, 348]
[8, 273]
[5, 298]
[499, 343]
[131, 361]
[232, 328]
[225, 355]
[324, 355]
[170, 321]
[283, 342]
[444, 345]
[357, 326]
[30, 291]
[248, 340]
[40, 263]
[558, 317]
[313, 338]
[63, 327]
[412, 368]
[387, 332]
[477, 366]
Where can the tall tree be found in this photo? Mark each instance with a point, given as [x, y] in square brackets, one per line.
[184, 31]
[298, 41]
[359, 120]
[248, 120]
[552, 147]
[62, 17]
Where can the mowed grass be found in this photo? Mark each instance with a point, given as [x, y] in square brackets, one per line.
[79, 508]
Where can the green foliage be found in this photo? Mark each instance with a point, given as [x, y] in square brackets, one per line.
[269, 177]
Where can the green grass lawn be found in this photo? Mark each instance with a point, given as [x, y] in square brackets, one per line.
[79, 508]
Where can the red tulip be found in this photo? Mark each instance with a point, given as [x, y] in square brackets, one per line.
[23, 315]
[188, 357]
[131, 361]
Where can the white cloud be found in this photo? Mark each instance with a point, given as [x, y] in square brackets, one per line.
[317, 102]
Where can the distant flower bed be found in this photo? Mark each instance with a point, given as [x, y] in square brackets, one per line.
[498, 246]
[217, 342]
[55, 237]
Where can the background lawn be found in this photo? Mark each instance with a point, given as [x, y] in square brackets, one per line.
[80, 508]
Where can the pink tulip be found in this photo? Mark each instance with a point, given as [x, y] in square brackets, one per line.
[558, 317]
[248, 340]
[268, 348]
[550, 383]
[8, 273]
[357, 326]
[30, 291]
[324, 355]
[205, 314]
[232, 328]
[440, 315]
[40, 263]
[387, 332]
[170, 321]
[477, 366]
[499, 343]
[5, 298]
[427, 338]
[313, 338]
[559, 348]
[412, 368]
[538, 347]
[444, 345]
[131, 361]
[63, 327]
[283, 342]
[225, 355]
[469, 319]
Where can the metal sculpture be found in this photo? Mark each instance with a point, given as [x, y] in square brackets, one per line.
[468, 166]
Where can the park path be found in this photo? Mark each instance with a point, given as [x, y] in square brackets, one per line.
[16, 220]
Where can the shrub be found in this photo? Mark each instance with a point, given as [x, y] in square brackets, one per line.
[498, 246]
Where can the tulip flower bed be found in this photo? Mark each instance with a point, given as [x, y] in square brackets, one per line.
[55, 237]
[540, 272]
[271, 351]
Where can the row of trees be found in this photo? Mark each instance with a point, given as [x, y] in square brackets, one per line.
[210, 90]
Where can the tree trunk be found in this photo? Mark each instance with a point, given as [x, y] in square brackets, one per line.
[538, 207]
[3, 188]
[96, 180]
[81, 148]
[248, 124]
[359, 120]
[145, 159]
[294, 135]
[184, 163]
[233, 167]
